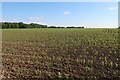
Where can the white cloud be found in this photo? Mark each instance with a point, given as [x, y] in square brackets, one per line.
[112, 8]
[11, 20]
[35, 22]
[15, 19]
[36, 18]
[66, 12]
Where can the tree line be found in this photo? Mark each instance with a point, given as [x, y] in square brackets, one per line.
[8, 25]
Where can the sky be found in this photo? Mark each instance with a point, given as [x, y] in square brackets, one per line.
[87, 14]
[59, 0]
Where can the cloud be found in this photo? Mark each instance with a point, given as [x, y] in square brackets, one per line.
[11, 20]
[66, 12]
[112, 8]
[36, 18]
[15, 19]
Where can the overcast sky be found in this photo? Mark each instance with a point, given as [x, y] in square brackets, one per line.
[88, 14]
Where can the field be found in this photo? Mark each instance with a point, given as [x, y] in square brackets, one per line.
[60, 53]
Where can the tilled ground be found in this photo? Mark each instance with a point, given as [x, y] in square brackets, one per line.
[86, 59]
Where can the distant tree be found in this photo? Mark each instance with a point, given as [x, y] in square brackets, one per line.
[0, 25]
[44, 26]
[21, 25]
[15, 25]
[70, 27]
[52, 27]
[7, 25]
[82, 27]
